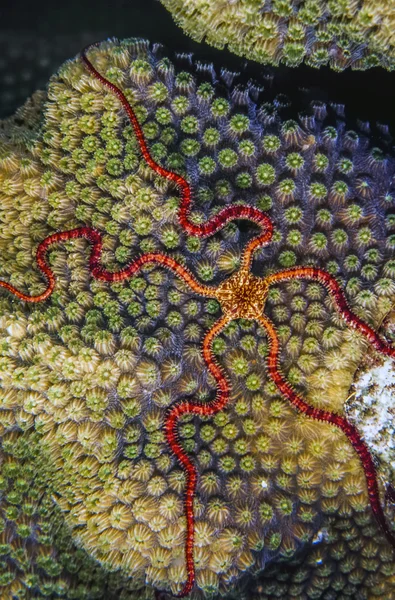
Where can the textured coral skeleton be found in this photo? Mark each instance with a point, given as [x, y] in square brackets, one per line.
[242, 296]
[249, 288]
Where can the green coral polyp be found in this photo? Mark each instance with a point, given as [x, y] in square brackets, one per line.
[265, 174]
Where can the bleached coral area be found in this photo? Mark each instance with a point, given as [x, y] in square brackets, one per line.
[372, 409]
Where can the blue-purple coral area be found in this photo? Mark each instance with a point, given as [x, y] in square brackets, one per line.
[87, 377]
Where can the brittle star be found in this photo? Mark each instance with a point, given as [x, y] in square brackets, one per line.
[243, 295]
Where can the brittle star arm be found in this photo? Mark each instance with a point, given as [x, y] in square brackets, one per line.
[171, 431]
[216, 222]
[257, 242]
[337, 294]
[273, 366]
[97, 270]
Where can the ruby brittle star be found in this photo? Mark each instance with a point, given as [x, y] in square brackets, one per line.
[243, 295]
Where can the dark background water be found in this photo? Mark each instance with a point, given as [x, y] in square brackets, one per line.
[37, 36]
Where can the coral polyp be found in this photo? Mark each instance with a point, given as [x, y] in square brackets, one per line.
[163, 401]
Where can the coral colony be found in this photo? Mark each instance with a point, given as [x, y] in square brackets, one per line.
[158, 406]
[339, 33]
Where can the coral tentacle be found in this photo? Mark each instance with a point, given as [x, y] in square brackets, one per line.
[273, 365]
[175, 413]
[334, 289]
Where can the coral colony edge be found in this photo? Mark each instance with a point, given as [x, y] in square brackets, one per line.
[190, 428]
[337, 33]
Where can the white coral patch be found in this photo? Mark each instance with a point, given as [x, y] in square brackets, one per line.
[372, 410]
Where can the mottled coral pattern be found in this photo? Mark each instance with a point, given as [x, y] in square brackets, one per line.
[89, 374]
[338, 33]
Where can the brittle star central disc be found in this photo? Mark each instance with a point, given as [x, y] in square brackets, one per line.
[243, 295]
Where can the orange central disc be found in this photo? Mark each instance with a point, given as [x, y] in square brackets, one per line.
[243, 295]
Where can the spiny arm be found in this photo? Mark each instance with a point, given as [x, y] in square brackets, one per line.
[273, 365]
[215, 223]
[171, 431]
[337, 294]
[97, 270]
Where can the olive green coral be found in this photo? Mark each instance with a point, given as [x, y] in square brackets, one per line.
[93, 370]
[38, 557]
[339, 33]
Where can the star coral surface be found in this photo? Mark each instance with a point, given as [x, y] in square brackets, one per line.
[339, 33]
[94, 369]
